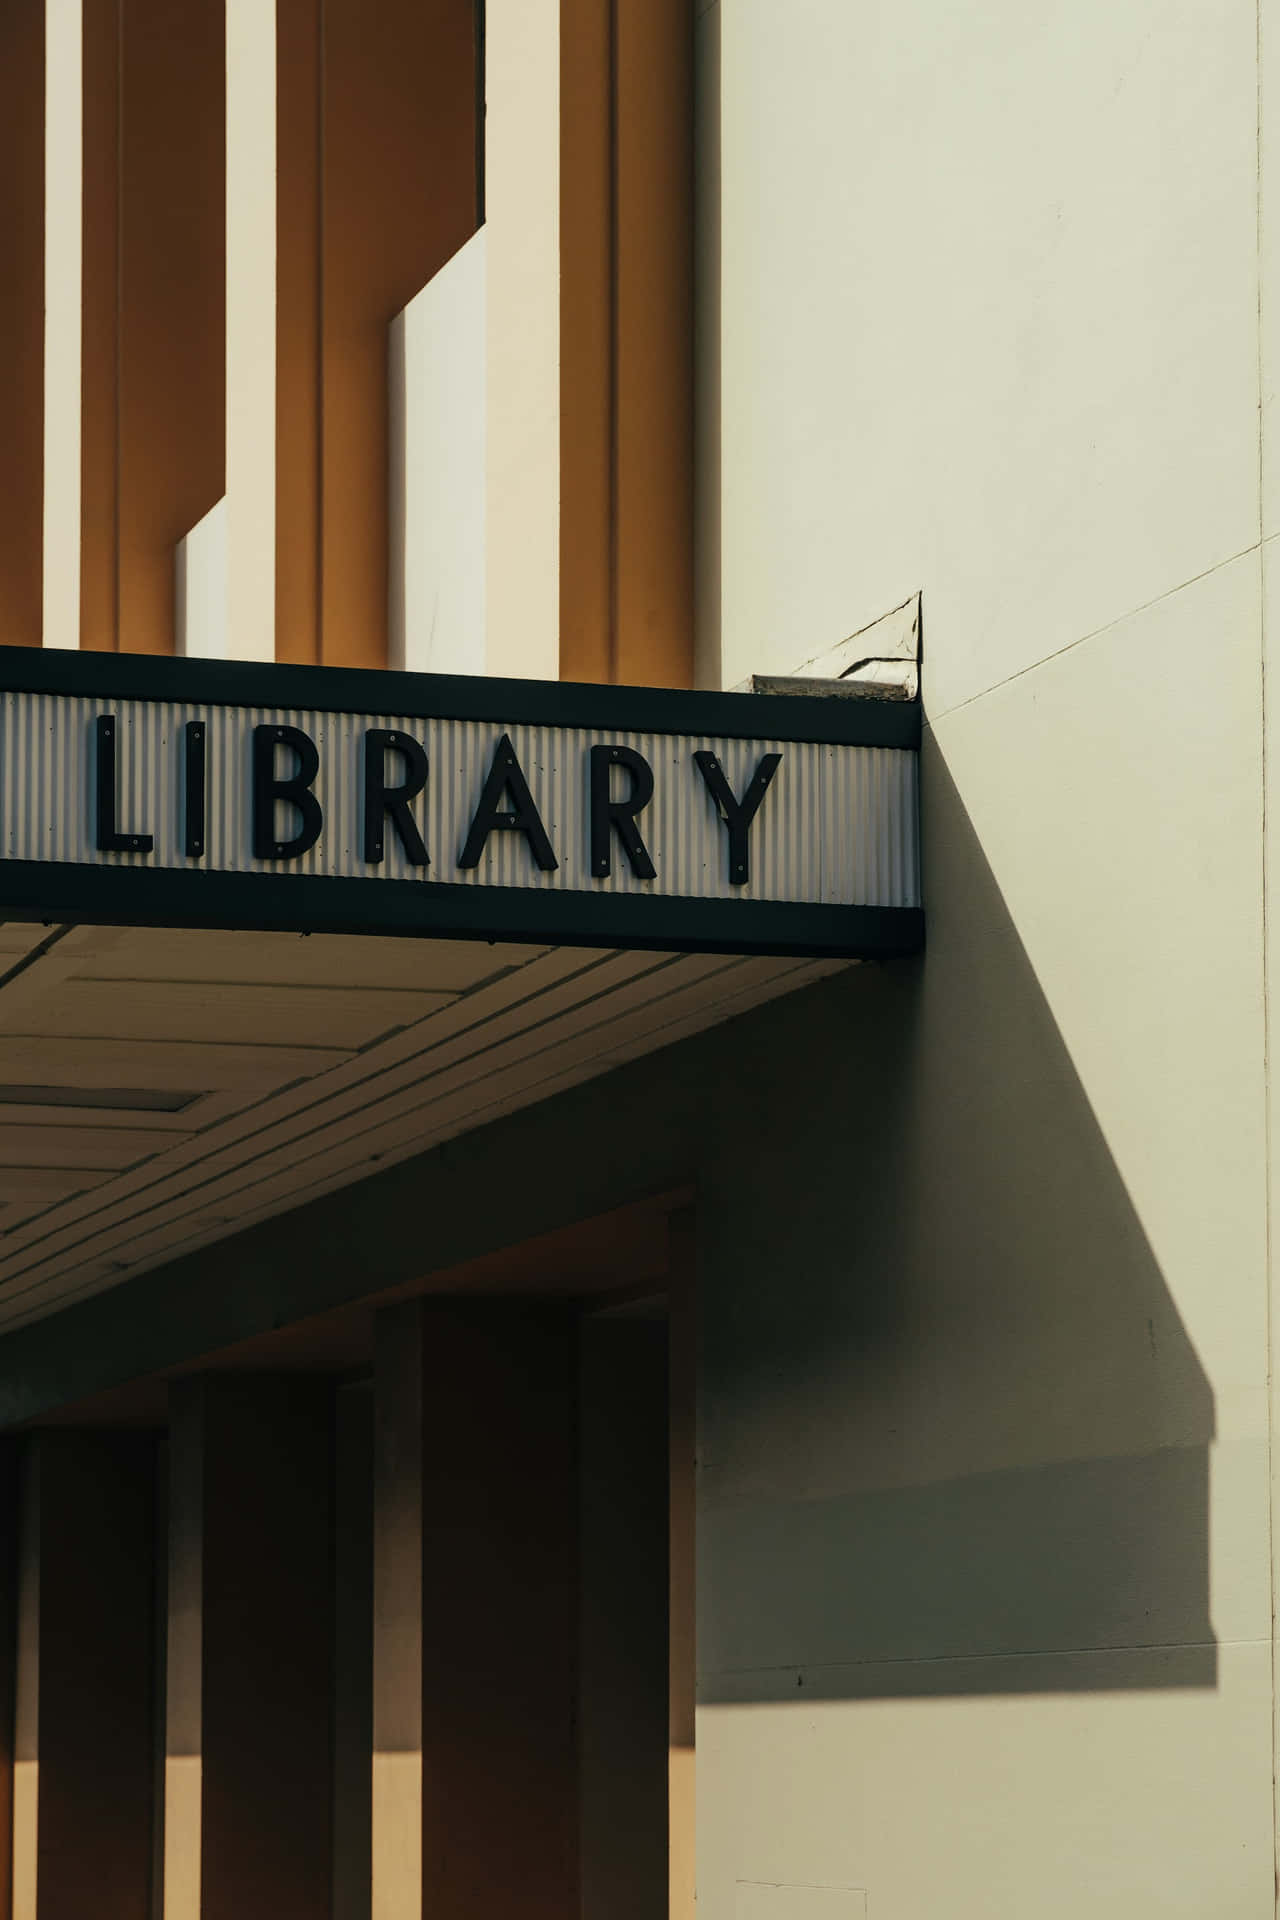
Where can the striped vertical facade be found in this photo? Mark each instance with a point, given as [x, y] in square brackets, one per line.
[218, 214]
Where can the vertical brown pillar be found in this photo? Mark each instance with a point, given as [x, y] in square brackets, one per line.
[86, 1684]
[251, 1611]
[398, 198]
[626, 322]
[653, 323]
[623, 1656]
[352, 1649]
[21, 320]
[377, 187]
[496, 1493]
[153, 307]
[171, 298]
[298, 136]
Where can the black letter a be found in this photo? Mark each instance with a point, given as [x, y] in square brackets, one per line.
[505, 776]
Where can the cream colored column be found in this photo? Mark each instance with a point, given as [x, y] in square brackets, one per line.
[63, 233]
[682, 1563]
[26, 1717]
[183, 1771]
[22, 144]
[708, 670]
[522, 453]
[251, 330]
[436, 500]
[397, 1616]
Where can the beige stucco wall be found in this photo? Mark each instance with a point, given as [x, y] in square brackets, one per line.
[981, 316]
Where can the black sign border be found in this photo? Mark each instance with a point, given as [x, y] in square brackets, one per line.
[62, 891]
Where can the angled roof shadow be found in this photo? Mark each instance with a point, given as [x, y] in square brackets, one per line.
[954, 1435]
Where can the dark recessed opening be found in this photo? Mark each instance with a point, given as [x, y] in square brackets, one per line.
[122, 1099]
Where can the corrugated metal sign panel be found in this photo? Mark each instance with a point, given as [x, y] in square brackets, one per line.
[838, 825]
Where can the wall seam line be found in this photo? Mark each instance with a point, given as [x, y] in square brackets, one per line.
[1267, 1102]
[1108, 626]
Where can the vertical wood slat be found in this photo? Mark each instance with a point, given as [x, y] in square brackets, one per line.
[653, 343]
[299, 134]
[398, 198]
[626, 530]
[152, 294]
[172, 375]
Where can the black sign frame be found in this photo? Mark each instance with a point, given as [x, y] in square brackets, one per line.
[67, 892]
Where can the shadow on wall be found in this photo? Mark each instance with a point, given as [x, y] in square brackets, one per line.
[953, 1434]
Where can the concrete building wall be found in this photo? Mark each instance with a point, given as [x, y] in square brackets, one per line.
[985, 313]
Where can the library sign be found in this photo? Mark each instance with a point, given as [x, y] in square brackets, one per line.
[193, 793]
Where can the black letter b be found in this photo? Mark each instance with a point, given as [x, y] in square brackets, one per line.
[295, 791]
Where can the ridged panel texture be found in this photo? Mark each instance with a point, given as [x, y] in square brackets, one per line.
[838, 824]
